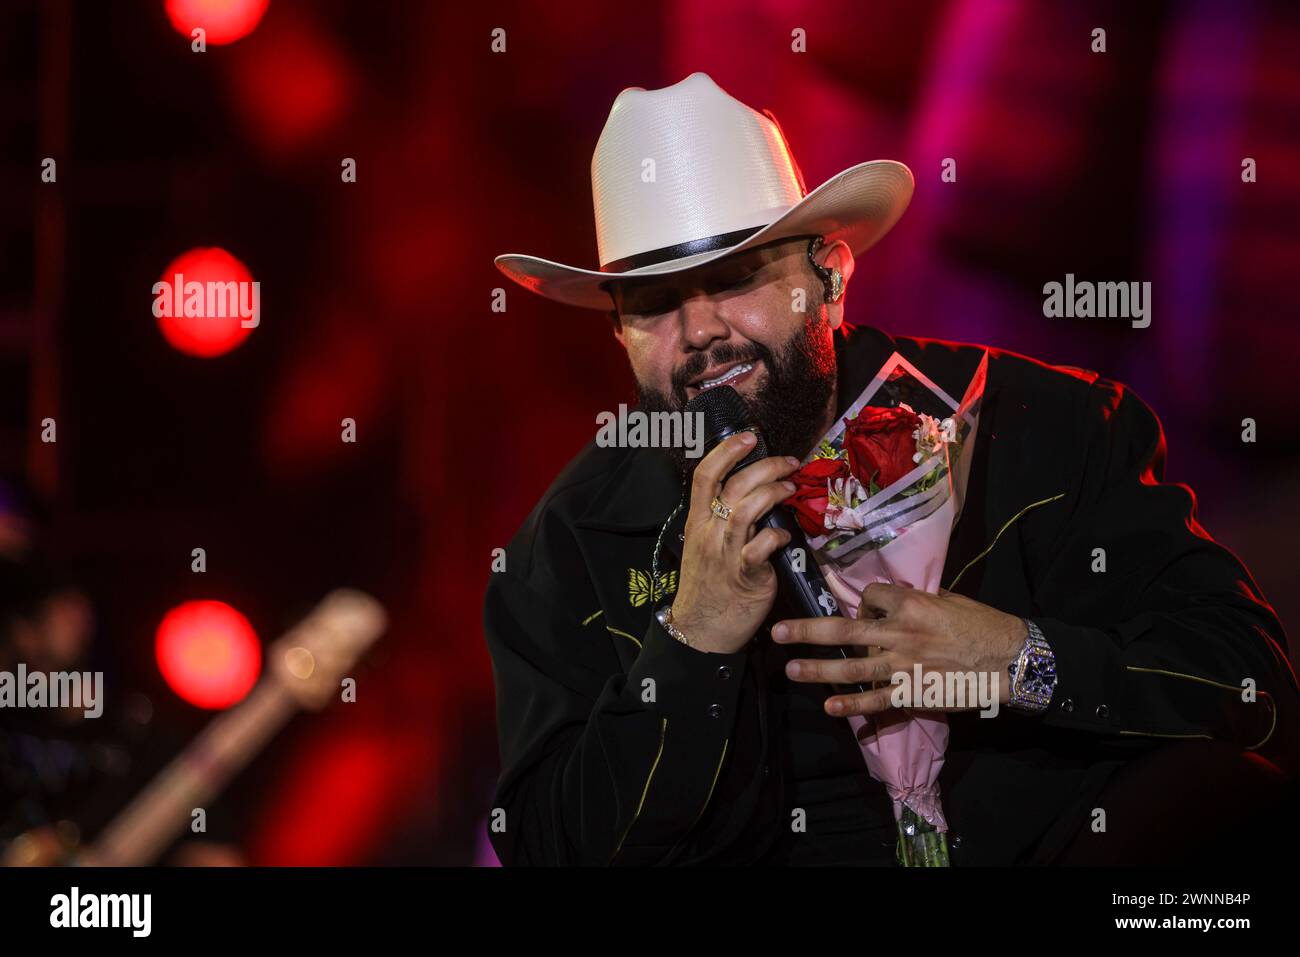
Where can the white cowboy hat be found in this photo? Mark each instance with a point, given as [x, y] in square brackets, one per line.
[688, 174]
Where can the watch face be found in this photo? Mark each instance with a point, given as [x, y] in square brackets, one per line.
[1032, 690]
[1040, 674]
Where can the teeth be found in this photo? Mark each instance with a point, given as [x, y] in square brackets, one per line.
[726, 376]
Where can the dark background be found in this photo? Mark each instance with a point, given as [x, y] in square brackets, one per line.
[1122, 166]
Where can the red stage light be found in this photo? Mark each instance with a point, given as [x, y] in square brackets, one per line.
[208, 653]
[293, 87]
[209, 334]
[224, 21]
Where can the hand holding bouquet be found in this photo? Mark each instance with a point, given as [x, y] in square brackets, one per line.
[878, 499]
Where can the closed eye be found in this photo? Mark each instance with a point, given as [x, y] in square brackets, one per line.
[736, 283]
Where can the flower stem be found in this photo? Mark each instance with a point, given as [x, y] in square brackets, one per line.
[919, 843]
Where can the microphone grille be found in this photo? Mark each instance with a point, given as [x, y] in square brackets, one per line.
[723, 412]
[722, 408]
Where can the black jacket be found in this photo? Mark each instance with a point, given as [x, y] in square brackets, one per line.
[621, 745]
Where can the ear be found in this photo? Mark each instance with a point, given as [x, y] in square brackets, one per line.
[837, 256]
[615, 320]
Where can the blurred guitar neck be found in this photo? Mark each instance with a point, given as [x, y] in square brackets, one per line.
[193, 779]
[305, 667]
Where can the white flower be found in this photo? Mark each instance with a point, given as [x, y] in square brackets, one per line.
[838, 517]
[932, 435]
[845, 492]
[843, 495]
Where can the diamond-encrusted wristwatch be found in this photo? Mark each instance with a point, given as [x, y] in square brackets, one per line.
[1033, 673]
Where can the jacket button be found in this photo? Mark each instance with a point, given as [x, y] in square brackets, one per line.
[715, 711]
[1067, 705]
[724, 673]
[766, 770]
[1103, 711]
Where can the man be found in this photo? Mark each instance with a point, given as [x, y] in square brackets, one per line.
[707, 733]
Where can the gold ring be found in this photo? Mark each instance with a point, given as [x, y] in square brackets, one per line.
[720, 509]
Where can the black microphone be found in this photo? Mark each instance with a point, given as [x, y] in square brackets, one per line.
[723, 413]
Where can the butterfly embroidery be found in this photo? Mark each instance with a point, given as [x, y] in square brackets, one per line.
[641, 589]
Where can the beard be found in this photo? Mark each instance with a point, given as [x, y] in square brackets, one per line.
[789, 406]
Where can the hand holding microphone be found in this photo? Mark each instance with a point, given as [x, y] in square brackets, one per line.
[727, 584]
[735, 562]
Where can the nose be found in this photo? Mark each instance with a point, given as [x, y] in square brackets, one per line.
[701, 324]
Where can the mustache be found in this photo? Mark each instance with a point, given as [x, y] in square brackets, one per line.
[719, 355]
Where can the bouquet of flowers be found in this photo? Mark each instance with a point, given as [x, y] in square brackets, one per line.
[878, 499]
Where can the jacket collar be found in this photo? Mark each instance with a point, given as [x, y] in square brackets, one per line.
[640, 494]
[644, 488]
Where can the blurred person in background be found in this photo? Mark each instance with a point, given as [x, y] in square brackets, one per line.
[64, 775]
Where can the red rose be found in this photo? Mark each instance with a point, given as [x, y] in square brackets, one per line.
[808, 501]
[881, 445]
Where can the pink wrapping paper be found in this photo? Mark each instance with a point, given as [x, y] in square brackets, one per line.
[902, 749]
